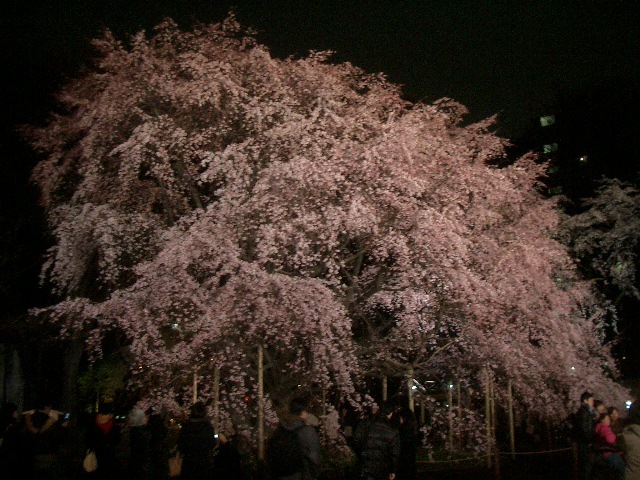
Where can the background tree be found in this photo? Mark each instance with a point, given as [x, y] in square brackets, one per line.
[605, 239]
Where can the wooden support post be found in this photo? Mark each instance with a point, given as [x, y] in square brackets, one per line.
[260, 405]
[216, 399]
[459, 406]
[494, 423]
[487, 416]
[194, 398]
[512, 440]
[410, 389]
[324, 401]
[450, 392]
[384, 388]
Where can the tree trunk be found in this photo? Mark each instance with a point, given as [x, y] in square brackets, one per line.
[71, 369]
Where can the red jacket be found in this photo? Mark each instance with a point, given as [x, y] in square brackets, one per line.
[604, 439]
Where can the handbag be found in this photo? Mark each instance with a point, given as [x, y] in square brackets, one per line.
[90, 462]
[175, 465]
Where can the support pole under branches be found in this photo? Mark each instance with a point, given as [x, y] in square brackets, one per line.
[384, 388]
[260, 404]
[410, 390]
[216, 399]
[512, 441]
[487, 416]
[450, 414]
[194, 398]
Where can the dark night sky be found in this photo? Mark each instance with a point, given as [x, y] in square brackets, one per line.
[509, 57]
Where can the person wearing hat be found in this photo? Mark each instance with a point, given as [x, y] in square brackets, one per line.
[196, 444]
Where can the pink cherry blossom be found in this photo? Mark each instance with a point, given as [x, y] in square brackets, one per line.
[207, 198]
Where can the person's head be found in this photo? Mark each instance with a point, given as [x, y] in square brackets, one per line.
[45, 406]
[198, 411]
[222, 438]
[155, 420]
[405, 414]
[386, 409]
[137, 418]
[312, 420]
[298, 406]
[614, 414]
[599, 407]
[587, 398]
[151, 411]
[604, 418]
[106, 408]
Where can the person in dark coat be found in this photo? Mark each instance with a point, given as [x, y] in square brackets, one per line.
[103, 437]
[196, 443]
[11, 451]
[307, 440]
[157, 445]
[139, 444]
[377, 444]
[405, 421]
[584, 427]
[227, 463]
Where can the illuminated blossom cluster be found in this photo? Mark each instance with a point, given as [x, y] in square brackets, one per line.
[207, 198]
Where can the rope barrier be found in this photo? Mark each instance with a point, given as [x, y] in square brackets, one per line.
[568, 449]
[484, 457]
[426, 462]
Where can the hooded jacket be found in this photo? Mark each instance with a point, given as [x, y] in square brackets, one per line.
[310, 444]
[377, 444]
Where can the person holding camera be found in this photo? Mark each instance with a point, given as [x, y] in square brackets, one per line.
[43, 438]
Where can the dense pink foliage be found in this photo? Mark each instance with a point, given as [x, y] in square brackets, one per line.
[219, 198]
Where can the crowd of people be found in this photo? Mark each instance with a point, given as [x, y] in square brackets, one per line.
[607, 445]
[385, 441]
[46, 444]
